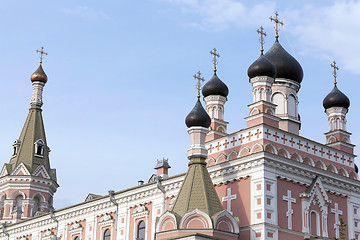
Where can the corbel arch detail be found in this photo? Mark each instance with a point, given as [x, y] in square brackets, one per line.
[232, 155]
[221, 158]
[309, 161]
[331, 168]
[210, 162]
[257, 148]
[244, 152]
[342, 171]
[296, 156]
[283, 153]
[270, 148]
[320, 164]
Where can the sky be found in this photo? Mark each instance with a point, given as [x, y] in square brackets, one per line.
[120, 76]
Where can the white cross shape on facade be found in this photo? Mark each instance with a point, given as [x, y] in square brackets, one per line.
[228, 199]
[337, 212]
[289, 212]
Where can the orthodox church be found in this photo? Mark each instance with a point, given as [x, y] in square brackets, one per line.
[262, 182]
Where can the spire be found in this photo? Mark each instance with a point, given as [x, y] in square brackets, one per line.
[31, 148]
[202, 195]
[197, 200]
[30, 162]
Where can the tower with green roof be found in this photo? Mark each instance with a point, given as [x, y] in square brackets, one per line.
[27, 182]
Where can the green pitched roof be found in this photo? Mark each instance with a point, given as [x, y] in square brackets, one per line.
[33, 131]
[197, 191]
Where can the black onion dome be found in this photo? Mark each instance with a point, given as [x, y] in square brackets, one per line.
[198, 117]
[262, 67]
[336, 99]
[215, 87]
[39, 75]
[286, 65]
[356, 169]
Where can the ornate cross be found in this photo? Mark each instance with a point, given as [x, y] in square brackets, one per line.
[199, 79]
[216, 55]
[336, 68]
[41, 53]
[277, 23]
[261, 40]
[228, 198]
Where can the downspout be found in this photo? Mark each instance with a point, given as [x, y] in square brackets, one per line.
[162, 189]
[112, 199]
[4, 230]
[52, 216]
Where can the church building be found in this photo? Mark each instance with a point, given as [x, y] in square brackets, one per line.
[262, 182]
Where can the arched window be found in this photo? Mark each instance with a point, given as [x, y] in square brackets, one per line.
[107, 235]
[76, 238]
[36, 206]
[39, 147]
[141, 231]
[279, 100]
[18, 203]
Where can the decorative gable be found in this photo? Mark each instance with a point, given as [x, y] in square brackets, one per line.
[41, 172]
[106, 220]
[75, 228]
[140, 211]
[21, 169]
[315, 194]
[4, 171]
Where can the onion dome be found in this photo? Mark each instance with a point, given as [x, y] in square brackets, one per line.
[262, 67]
[356, 169]
[198, 117]
[286, 65]
[336, 99]
[215, 87]
[39, 75]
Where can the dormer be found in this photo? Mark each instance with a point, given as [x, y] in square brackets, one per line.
[39, 148]
[16, 146]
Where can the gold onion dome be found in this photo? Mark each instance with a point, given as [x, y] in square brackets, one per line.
[39, 75]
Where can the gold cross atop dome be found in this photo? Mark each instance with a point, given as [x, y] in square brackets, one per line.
[216, 55]
[41, 54]
[262, 40]
[336, 68]
[198, 84]
[277, 23]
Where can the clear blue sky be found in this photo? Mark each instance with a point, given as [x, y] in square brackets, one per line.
[120, 76]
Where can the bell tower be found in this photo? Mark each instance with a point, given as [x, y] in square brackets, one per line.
[27, 182]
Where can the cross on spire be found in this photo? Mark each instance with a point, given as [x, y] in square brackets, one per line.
[216, 55]
[336, 68]
[41, 54]
[262, 40]
[198, 77]
[277, 23]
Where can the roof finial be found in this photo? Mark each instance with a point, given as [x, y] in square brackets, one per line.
[41, 54]
[336, 68]
[277, 23]
[198, 84]
[262, 40]
[216, 55]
